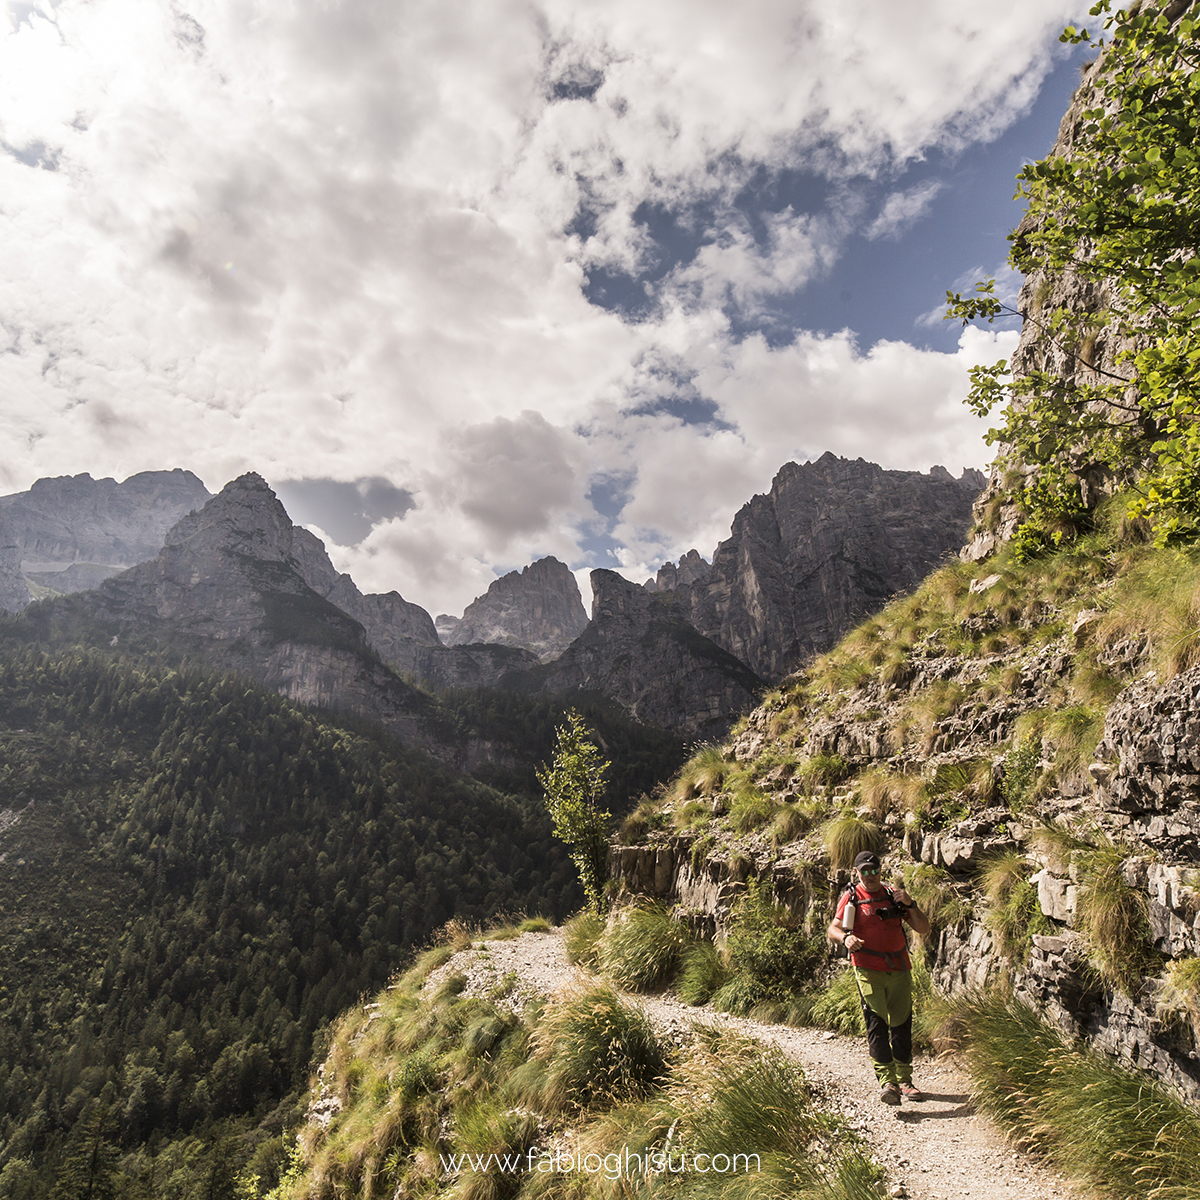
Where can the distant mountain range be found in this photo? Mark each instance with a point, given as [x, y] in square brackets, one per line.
[233, 580]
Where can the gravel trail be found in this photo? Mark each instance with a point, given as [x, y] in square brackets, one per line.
[937, 1149]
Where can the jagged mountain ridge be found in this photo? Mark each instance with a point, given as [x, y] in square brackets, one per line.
[229, 582]
[74, 531]
[537, 608]
[640, 650]
[832, 541]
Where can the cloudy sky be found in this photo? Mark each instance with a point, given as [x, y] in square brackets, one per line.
[474, 281]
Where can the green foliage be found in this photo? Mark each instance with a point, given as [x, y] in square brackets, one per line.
[839, 1006]
[585, 1069]
[704, 773]
[1112, 916]
[1021, 766]
[767, 956]
[643, 947]
[1118, 1133]
[936, 895]
[1013, 914]
[1157, 597]
[1120, 211]
[702, 973]
[211, 875]
[574, 787]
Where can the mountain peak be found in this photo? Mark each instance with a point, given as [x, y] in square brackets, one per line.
[538, 608]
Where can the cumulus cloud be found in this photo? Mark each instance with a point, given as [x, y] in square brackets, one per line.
[345, 242]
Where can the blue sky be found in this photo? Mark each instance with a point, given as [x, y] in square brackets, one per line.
[479, 281]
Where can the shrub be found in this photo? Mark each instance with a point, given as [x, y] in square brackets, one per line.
[642, 948]
[764, 947]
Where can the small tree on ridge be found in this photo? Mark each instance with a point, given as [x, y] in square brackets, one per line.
[574, 787]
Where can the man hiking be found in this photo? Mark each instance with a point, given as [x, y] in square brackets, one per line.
[870, 923]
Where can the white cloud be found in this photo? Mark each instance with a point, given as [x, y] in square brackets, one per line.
[902, 209]
[335, 240]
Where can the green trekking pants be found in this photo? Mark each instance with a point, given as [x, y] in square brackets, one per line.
[887, 1010]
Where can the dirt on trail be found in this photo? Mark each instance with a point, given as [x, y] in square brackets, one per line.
[935, 1149]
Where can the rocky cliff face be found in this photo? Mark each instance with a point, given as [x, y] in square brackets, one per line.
[832, 541]
[75, 519]
[640, 651]
[401, 633]
[538, 608]
[231, 579]
[14, 593]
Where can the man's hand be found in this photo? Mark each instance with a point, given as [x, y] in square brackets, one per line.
[852, 942]
[902, 897]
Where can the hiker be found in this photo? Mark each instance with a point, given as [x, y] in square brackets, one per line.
[870, 922]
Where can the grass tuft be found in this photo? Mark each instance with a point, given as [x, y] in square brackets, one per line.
[846, 836]
[598, 1050]
[581, 935]
[642, 948]
[1013, 915]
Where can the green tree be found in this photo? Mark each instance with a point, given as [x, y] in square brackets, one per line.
[1119, 217]
[574, 787]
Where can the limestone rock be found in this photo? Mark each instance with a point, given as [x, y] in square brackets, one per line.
[831, 542]
[14, 593]
[75, 519]
[538, 608]
[1152, 734]
[230, 581]
[640, 651]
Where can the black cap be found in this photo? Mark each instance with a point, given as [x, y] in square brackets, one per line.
[866, 858]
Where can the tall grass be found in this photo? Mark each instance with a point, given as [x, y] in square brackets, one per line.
[581, 937]
[642, 948]
[1013, 914]
[597, 1050]
[706, 772]
[1119, 1133]
[846, 835]
[1158, 597]
[1112, 917]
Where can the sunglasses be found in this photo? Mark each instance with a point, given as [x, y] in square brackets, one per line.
[870, 870]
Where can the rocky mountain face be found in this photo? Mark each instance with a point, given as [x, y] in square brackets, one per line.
[832, 541]
[231, 579]
[960, 758]
[640, 650]
[538, 608]
[401, 633]
[14, 593]
[74, 531]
